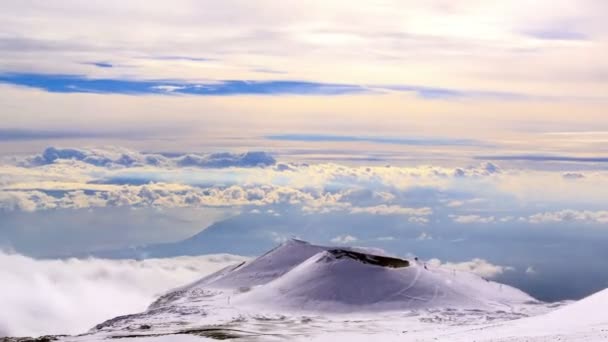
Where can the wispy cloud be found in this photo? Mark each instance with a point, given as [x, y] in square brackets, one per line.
[101, 64]
[557, 34]
[182, 58]
[438, 93]
[423, 141]
[546, 158]
[25, 134]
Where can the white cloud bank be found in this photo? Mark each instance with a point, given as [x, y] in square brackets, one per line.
[560, 216]
[569, 215]
[71, 296]
[119, 157]
[478, 266]
[69, 178]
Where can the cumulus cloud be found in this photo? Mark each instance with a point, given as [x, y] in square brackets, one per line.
[569, 215]
[164, 195]
[80, 178]
[71, 296]
[478, 266]
[485, 169]
[561, 216]
[466, 219]
[384, 209]
[75, 178]
[344, 239]
[461, 203]
[222, 160]
[119, 157]
[424, 236]
[385, 238]
[573, 175]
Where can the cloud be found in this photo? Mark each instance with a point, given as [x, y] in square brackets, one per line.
[222, 160]
[119, 157]
[546, 158]
[424, 237]
[181, 58]
[484, 169]
[562, 216]
[101, 64]
[478, 266]
[570, 215]
[26, 201]
[80, 84]
[28, 134]
[423, 141]
[344, 239]
[75, 178]
[557, 34]
[461, 203]
[164, 195]
[168, 88]
[573, 175]
[98, 177]
[384, 209]
[70, 296]
[386, 238]
[438, 93]
[468, 219]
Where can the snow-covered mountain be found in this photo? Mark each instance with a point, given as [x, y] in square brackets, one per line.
[300, 291]
[334, 280]
[302, 279]
[308, 278]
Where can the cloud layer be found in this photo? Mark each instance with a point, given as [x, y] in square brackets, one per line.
[118, 157]
[79, 178]
[71, 296]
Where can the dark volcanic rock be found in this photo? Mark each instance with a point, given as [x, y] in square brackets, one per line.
[371, 259]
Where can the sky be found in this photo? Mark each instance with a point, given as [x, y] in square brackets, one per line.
[469, 133]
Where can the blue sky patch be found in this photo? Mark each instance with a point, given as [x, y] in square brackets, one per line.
[80, 84]
[58, 83]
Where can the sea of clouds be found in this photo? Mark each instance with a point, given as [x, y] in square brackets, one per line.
[70, 296]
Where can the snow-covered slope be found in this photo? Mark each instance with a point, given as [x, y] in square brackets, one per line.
[303, 292]
[301, 279]
[305, 277]
[585, 320]
[265, 268]
[327, 283]
[594, 309]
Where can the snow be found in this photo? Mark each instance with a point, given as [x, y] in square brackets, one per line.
[585, 320]
[304, 292]
[324, 283]
[265, 268]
